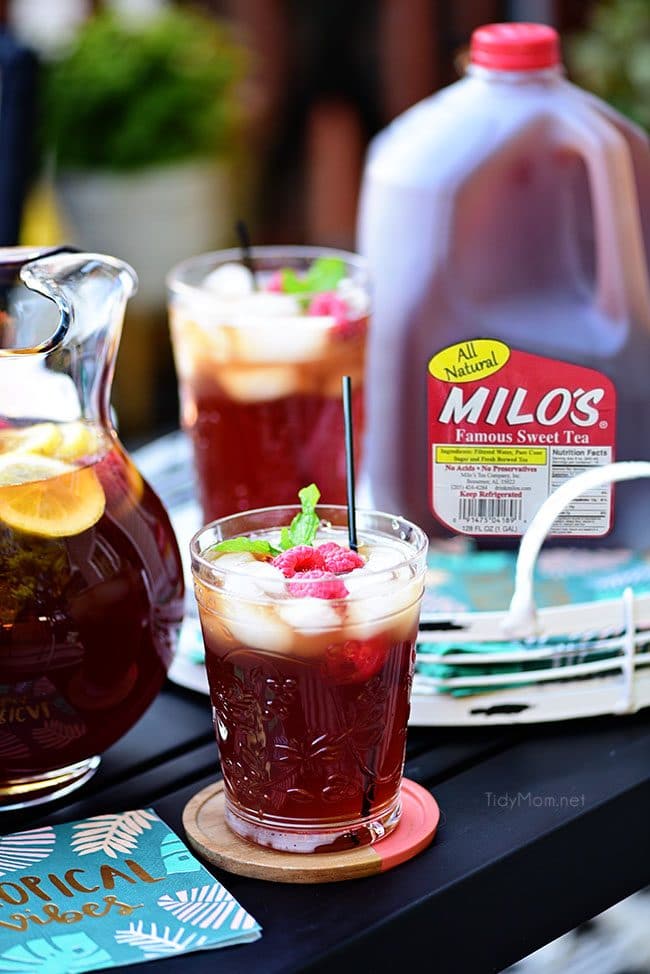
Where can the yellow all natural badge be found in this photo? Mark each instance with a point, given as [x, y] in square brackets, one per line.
[468, 361]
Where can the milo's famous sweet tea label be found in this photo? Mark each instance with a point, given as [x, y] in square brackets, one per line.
[506, 428]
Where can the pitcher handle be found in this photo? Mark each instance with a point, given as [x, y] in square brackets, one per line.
[622, 285]
[13, 258]
[12, 262]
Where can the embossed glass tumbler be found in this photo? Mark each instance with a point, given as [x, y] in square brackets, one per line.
[310, 685]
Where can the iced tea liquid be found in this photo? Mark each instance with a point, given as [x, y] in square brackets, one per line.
[250, 454]
[90, 599]
[310, 741]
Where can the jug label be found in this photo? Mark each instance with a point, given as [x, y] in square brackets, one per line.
[506, 428]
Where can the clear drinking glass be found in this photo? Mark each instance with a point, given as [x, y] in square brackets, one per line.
[310, 696]
[260, 372]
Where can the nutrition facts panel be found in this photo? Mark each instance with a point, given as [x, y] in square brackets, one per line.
[497, 490]
[591, 512]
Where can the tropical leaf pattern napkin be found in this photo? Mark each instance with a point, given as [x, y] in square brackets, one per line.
[106, 891]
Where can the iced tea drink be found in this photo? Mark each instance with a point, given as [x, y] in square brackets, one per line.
[259, 356]
[91, 599]
[309, 656]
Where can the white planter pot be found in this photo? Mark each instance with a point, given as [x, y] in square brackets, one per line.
[152, 218]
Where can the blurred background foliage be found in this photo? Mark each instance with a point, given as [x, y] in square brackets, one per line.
[611, 56]
[128, 94]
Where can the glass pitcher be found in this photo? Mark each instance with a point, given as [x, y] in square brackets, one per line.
[91, 586]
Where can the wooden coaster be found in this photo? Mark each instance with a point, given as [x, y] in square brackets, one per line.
[207, 832]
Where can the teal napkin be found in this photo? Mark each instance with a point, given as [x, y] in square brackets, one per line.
[107, 891]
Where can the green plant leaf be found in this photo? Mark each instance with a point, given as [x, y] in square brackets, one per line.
[301, 531]
[304, 526]
[309, 498]
[323, 275]
[610, 56]
[285, 539]
[291, 283]
[256, 546]
[126, 96]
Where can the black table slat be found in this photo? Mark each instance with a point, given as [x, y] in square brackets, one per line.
[174, 722]
[146, 789]
[451, 752]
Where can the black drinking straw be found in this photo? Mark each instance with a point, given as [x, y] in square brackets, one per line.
[245, 244]
[349, 461]
[369, 774]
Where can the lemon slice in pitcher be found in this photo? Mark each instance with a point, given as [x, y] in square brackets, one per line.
[48, 498]
[39, 438]
[77, 440]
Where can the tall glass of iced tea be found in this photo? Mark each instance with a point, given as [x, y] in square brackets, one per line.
[310, 653]
[260, 351]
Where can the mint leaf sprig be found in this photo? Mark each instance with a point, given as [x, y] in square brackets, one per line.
[256, 546]
[324, 275]
[301, 531]
[304, 526]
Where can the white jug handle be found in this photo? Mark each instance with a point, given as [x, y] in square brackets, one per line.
[521, 618]
[622, 285]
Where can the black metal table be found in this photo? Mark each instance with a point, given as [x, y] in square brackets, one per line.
[542, 827]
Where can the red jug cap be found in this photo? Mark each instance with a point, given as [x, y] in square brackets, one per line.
[515, 47]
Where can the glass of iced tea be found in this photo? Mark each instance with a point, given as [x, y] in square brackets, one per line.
[260, 351]
[310, 654]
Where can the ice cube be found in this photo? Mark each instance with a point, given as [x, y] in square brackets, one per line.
[358, 581]
[267, 304]
[243, 587]
[270, 579]
[387, 602]
[355, 297]
[241, 612]
[282, 339]
[310, 615]
[381, 558]
[365, 618]
[258, 384]
[230, 561]
[216, 632]
[203, 326]
[211, 606]
[207, 597]
[230, 282]
[264, 569]
[246, 576]
[258, 626]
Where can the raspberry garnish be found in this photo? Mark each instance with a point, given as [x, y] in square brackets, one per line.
[274, 283]
[317, 584]
[329, 303]
[338, 559]
[355, 660]
[303, 558]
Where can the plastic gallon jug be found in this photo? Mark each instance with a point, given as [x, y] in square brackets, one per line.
[507, 224]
